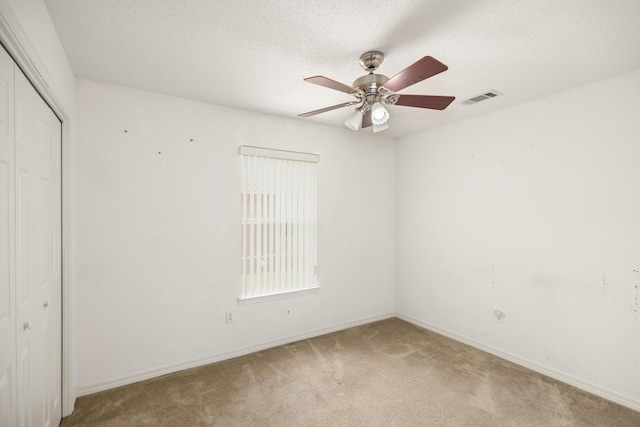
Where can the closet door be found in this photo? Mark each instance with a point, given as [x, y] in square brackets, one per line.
[27, 264]
[30, 254]
[47, 217]
[7, 247]
[38, 257]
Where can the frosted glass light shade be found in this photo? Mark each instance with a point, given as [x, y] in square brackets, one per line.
[379, 114]
[354, 121]
[380, 128]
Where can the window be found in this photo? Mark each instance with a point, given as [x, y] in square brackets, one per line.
[278, 222]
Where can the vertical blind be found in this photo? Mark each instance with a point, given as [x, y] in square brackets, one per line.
[278, 221]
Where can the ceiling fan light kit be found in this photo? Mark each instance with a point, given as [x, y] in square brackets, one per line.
[373, 90]
[380, 128]
[354, 121]
[379, 115]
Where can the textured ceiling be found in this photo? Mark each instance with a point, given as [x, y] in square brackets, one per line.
[253, 54]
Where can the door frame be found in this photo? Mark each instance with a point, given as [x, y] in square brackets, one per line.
[16, 41]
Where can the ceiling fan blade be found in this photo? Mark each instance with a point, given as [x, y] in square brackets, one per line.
[324, 110]
[331, 84]
[414, 73]
[366, 120]
[425, 101]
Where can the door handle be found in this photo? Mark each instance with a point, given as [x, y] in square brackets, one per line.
[27, 326]
[46, 304]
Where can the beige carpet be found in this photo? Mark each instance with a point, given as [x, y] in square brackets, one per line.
[388, 373]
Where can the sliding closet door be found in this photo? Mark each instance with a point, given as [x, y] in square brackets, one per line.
[47, 217]
[47, 290]
[27, 265]
[38, 257]
[7, 247]
[30, 254]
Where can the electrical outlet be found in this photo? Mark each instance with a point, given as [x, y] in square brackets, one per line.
[500, 315]
[229, 317]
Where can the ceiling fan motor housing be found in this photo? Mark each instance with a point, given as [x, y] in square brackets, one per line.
[369, 84]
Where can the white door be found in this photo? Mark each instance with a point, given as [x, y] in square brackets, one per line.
[47, 217]
[32, 259]
[26, 244]
[7, 247]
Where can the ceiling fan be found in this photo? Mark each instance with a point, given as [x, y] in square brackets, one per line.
[373, 90]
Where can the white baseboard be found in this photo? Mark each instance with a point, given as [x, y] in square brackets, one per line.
[534, 366]
[152, 373]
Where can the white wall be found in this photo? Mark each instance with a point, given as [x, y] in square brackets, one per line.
[534, 210]
[28, 34]
[159, 233]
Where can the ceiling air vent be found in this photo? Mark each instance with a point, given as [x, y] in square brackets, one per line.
[483, 97]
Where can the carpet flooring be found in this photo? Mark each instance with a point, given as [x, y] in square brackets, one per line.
[387, 373]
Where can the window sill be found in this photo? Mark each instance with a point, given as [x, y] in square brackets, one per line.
[279, 295]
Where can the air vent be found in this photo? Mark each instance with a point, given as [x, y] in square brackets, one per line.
[483, 97]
